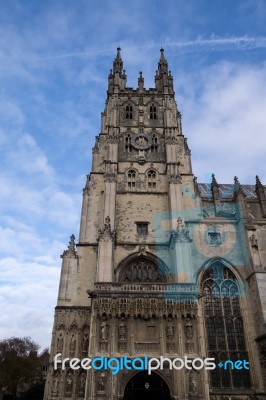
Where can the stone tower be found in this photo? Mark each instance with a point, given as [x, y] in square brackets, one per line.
[164, 266]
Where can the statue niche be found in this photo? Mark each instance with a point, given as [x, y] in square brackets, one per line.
[142, 270]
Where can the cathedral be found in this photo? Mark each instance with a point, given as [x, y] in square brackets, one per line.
[164, 267]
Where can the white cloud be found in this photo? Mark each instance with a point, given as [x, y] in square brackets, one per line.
[225, 122]
[27, 296]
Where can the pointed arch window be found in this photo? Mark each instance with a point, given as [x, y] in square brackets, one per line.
[131, 179]
[129, 111]
[151, 175]
[153, 112]
[224, 326]
[142, 270]
[154, 146]
[128, 144]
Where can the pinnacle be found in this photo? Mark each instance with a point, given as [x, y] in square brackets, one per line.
[238, 187]
[258, 182]
[118, 54]
[214, 181]
[162, 54]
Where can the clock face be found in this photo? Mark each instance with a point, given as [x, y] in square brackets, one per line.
[141, 141]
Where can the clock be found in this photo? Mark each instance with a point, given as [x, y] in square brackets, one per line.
[141, 141]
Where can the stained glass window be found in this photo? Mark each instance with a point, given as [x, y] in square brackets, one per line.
[224, 326]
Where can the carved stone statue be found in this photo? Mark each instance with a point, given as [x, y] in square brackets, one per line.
[60, 343]
[69, 384]
[85, 342]
[107, 224]
[253, 241]
[122, 329]
[189, 329]
[104, 329]
[55, 386]
[180, 223]
[192, 384]
[170, 329]
[255, 249]
[72, 345]
[101, 384]
[82, 382]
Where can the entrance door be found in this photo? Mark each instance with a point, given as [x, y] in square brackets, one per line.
[148, 387]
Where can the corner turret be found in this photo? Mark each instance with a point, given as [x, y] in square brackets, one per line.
[163, 77]
[117, 77]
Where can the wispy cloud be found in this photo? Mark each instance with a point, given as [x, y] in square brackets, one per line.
[211, 43]
[215, 43]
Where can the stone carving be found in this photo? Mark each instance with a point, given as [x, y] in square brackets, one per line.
[170, 329]
[74, 325]
[180, 223]
[60, 324]
[71, 251]
[144, 307]
[170, 140]
[69, 384]
[101, 383]
[72, 345]
[255, 250]
[214, 238]
[142, 249]
[104, 329]
[189, 329]
[60, 343]
[82, 382]
[174, 173]
[71, 246]
[142, 270]
[141, 141]
[85, 343]
[122, 330]
[110, 177]
[189, 333]
[55, 387]
[192, 383]
[180, 235]
[106, 233]
[113, 138]
[254, 242]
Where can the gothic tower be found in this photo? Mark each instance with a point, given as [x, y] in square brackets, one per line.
[164, 266]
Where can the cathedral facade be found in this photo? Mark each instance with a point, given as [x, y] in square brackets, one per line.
[164, 266]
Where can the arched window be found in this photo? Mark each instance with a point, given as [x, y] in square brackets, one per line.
[131, 179]
[151, 179]
[153, 114]
[129, 112]
[154, 146]
[224, 327]
[142, 270]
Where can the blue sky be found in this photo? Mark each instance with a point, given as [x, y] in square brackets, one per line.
[54, 61]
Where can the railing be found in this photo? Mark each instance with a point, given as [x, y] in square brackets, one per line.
[147, 287]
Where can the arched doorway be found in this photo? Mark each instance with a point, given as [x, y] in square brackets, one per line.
[148, 387]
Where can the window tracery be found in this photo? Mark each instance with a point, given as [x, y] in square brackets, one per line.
[151, 175]
[154, 146]
[129, 111]
[131, 179]
[224, 326]
[128, 144]
[153, 112]
[141, 270]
